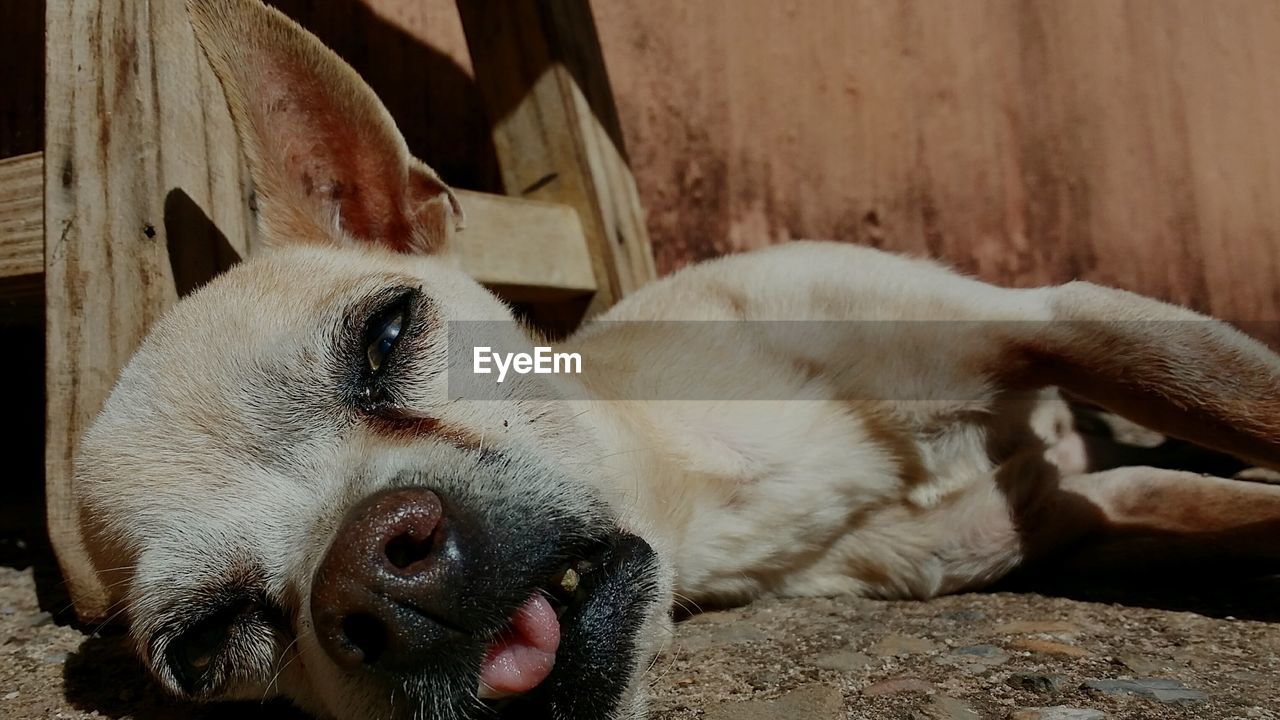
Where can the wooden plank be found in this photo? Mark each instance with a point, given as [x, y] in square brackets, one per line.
[527, 251]
[135, 128]
[22, 215]
[556, 132]
[21, 239]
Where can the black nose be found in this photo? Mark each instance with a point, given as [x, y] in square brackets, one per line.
[387, 595]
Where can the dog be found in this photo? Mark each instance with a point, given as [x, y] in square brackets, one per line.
[287, 500]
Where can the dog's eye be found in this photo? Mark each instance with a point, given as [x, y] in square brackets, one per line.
[198, 652]
[374, 352]
[192, 654]
[384, 332]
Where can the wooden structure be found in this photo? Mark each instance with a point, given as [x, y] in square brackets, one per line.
[140, 194]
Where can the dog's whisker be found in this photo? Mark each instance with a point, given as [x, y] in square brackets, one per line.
[672, 649]
[659, 677]
[69, 606]
[121, 568]
[684, 601]
[281, 666]
[117, 584]
[113, 612]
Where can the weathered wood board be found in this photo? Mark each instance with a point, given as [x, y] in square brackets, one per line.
[1131, 142]
[21, 216]
[135, 126]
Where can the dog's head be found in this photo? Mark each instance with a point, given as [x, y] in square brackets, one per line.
[279, 490]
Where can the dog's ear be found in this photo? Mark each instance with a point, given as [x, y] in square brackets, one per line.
[327, 160]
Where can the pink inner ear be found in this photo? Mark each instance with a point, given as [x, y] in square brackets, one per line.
[328, 157]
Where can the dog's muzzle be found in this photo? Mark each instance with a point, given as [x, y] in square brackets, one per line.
[541, 621]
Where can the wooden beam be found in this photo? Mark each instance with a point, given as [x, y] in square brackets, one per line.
[22, 215]
[524, 250]
[539, 67]
[135, 124]
[21, 237]
[527, 251]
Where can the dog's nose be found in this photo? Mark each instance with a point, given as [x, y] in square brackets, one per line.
[381, 597]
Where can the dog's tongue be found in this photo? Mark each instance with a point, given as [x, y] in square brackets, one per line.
[523, 656]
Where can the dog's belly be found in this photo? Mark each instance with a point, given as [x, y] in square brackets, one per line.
[815, 498]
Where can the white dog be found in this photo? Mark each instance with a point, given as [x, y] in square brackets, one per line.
[290, 500]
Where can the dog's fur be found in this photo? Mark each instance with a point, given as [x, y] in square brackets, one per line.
[922, 450]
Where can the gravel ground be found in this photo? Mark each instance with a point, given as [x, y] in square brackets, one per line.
[1019, 655]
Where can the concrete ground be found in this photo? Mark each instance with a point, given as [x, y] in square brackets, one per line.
[992, 655]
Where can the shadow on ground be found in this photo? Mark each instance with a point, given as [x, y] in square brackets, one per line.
[1211, 594]
[103, 676]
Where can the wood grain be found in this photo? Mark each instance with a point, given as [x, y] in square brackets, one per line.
[22, 215]
[1130, 142]
[526, 251]
[133, 116]
[556, 132]
[21, 239]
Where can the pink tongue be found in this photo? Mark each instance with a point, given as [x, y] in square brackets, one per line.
[524, 655]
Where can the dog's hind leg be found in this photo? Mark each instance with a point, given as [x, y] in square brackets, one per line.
[1165, 367]
[1152, 519]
